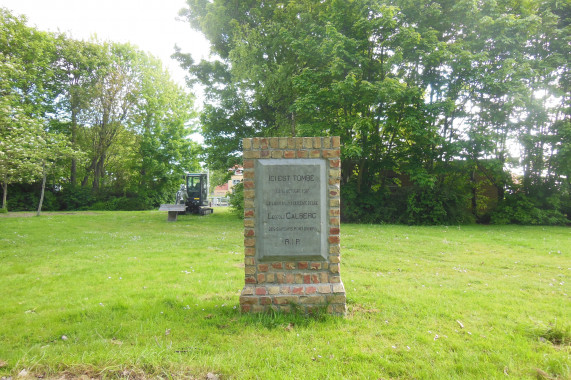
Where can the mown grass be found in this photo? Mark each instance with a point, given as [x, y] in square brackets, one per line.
[134, 296]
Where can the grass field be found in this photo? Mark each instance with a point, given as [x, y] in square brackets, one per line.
[128, 295]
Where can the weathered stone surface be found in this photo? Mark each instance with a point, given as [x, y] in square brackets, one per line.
[291, 209]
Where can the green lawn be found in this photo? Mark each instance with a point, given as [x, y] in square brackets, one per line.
[126, 294]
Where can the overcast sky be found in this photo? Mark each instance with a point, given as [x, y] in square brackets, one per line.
[149, 24]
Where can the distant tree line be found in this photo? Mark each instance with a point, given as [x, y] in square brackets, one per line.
[449, 111]
[100, 124]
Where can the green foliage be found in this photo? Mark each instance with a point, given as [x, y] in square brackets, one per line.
[75, 198]
[3, 210]
[25, 197]
[411, 87]
[517, 208]
[91, 116]
[122, 204]
[236, 200]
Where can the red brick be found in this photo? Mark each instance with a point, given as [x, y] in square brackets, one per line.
[248, 184]
[334, 231]
[264, 143]
[265, 300]
[289, 154]
[277, 265]
[334, 239]
[280, 278]
[250, 280]
[302, 265]
[263, 267]
[302, 154]
[315, 266]
[314, 279]
[265, 154]
[334, 221]
[248, 164]
[310, 290]
[246, 308]
[306, 279]
[261, 278]
[290, 265]
[334, 193]
[249, 214]
[249, 251]
[297, 290]
[261, 291]
[289, 278]
[249, 233]
[250, 242]
[332, 163]
[314, 153]
[330, 153]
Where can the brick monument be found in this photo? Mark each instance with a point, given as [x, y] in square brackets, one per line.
[291, 225]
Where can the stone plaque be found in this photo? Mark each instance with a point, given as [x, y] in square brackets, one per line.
[291, 209]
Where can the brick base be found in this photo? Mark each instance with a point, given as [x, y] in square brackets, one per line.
[307, 298]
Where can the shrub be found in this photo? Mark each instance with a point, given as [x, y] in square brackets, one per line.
[236, 200]
[75, 198]
[517, 208]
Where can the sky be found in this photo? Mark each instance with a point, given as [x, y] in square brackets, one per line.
[151, 25]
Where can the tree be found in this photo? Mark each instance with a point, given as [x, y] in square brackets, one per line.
[415, 89]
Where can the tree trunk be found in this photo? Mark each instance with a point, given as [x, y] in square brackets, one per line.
[5, 193]
[73, 174]
[43, 190]
[474, 193]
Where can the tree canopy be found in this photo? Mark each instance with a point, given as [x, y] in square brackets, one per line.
[437, 102]
[104, 121]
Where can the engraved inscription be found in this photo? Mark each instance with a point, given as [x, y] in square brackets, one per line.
[290, 208]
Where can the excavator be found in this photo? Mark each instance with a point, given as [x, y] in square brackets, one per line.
[194, 194]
